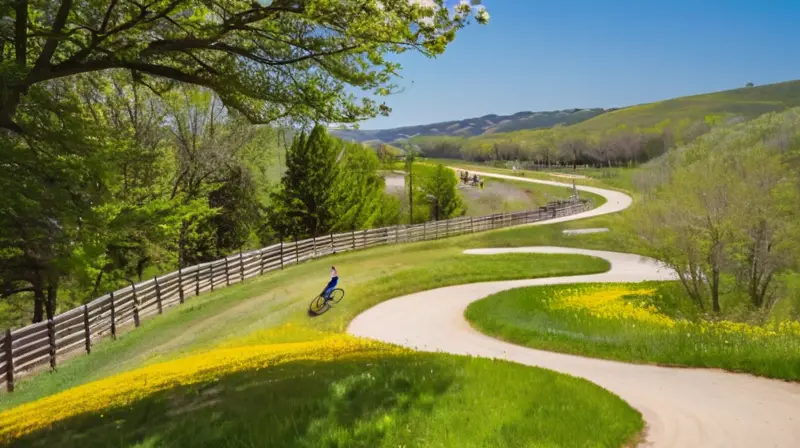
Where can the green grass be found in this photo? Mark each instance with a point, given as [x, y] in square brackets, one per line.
[525, 316]
[368, 277]
[431, 400]
[508, 196]
[747, 102]
[417, 400]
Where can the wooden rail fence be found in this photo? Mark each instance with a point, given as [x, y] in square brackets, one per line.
[77, 329]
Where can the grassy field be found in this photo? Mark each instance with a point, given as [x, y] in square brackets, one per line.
[370, 396]
[643, 322]
[748, 102]
[505, 196]
[316, 401]
[368, 277]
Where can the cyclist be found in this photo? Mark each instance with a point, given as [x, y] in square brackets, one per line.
[326, 293]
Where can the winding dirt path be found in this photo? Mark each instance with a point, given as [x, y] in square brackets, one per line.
[683, 408]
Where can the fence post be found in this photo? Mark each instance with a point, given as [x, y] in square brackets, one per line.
[446, 228]
[354, 239]
[227, 273]
[333, 246]
[113, 318]
[364, 235]
[51, 336]
[180, 285]
[241, 266]
[424, 230]
[281, 253]
[211, 274]
[197, 281]
[296, 251]
[314, 247]
[261, 261]
[9, 363]
[86, 334]
[471, 225]
[135, 306]
[158, 295]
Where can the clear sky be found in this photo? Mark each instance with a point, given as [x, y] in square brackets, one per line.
[557, 54]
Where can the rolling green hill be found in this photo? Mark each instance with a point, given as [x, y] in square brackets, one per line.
[630, 135]
[748, 102]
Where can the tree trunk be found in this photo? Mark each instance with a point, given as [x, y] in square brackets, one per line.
[182, 244]
[39, 301]
[52, 298]
[715, 289]
[97, 282]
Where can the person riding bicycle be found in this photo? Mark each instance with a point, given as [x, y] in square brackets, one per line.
[326, 293]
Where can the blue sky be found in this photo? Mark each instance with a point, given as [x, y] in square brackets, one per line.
[547, 55]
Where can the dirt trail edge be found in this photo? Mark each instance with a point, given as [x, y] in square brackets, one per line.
[683, 408]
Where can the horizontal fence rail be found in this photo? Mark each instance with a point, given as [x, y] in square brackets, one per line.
[78, 329]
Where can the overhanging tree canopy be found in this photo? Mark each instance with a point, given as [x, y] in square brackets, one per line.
[287, 58]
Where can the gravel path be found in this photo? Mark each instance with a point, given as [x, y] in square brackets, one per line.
[682, 407]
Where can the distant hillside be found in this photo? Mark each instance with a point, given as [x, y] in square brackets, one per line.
[630, 135]
[488, 124]
[747, 102]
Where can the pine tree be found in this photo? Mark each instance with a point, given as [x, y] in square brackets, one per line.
[304, 203]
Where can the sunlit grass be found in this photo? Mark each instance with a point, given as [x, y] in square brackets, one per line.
[636, 323]
[130, 387]
[261, 305]
[381, 397]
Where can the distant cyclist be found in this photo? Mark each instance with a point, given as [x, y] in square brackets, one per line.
[326, 293]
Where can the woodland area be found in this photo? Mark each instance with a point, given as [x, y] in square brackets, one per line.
[621, 145]
[723, 212]
[137, 137]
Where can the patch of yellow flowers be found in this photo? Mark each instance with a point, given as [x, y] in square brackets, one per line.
[608, 302]
[126, 388]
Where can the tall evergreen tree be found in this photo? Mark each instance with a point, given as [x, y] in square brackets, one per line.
[304, 204]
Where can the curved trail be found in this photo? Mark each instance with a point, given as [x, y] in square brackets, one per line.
[682, 407]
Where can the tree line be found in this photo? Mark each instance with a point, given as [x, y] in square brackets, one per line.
[622, 145]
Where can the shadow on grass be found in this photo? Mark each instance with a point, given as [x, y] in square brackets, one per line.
[306, 404]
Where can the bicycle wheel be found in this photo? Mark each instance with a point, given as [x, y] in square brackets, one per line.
[318, 305]
[337, 295]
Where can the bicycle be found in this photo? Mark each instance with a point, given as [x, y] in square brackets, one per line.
[320, 304]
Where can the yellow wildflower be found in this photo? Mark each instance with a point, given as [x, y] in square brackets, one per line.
[126, 388]
[609, 303]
